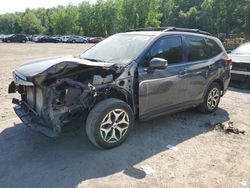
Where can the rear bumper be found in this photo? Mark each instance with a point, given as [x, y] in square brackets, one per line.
[29, 117]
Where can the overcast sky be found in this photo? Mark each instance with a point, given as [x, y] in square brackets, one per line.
[11, 6]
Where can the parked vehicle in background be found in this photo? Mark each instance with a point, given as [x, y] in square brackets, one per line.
[48, 39]
[65, 38]
[29, 37]
[36, 37]
[77, 39]
[53, 38]
[95, 39]
[2, 36]
[241, 63]
[58, 37]
[86, 38]
[15, 38]
[143, 73]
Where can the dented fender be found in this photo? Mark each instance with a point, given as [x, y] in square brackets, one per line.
[70, 87]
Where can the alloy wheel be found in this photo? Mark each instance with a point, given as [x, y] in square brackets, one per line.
[114, 125]
[213, 98]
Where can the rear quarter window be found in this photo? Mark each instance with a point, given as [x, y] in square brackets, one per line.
[213, 48]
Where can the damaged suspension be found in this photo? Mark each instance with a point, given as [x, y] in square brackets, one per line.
[65, 99]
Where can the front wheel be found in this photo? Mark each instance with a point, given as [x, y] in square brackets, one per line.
[109, 123]
[212, 99]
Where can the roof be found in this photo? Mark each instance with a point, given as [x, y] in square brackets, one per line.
[168, 29]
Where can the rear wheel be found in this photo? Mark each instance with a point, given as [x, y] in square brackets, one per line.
[212, 99]
[109, 123]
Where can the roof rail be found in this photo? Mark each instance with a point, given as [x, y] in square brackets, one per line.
[186, 30]
[148, 29]
[166, 29]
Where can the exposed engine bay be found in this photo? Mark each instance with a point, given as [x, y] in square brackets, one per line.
[67, 90]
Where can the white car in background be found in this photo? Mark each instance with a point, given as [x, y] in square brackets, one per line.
[241, 63]
[65, 38]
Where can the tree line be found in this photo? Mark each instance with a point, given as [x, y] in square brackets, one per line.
[107, 17]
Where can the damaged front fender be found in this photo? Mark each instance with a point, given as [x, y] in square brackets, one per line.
[68, 90]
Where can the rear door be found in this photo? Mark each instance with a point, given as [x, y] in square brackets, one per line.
[199, 66]
[162, 90]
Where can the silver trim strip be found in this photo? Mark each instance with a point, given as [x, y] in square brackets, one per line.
[240, 72]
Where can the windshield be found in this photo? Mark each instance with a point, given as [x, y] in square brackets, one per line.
[118, 49]
[243, 49]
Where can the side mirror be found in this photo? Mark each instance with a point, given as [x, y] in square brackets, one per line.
[158, 63]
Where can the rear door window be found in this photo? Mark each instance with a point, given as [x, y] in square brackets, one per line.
[196, 48]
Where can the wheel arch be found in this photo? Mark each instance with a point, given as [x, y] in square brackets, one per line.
[123, 95]
[220, 82]
[217, 80]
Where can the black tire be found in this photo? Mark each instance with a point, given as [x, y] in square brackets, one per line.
[205, 107]
[98, 114]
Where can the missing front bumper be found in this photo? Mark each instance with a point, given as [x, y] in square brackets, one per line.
[12, 87]
[30, 119]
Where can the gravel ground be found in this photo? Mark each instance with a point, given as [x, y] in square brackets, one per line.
[205, 158]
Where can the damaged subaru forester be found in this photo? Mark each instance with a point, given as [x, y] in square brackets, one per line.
[139, 74]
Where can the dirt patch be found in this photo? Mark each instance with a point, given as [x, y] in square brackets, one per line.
[205, 157]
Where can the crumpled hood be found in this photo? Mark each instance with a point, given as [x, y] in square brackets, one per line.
[37, 66]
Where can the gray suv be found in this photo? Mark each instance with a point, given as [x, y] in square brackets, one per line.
[139, 74]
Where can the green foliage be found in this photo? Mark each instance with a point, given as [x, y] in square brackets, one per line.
[30, 23]
[8, 23]
[107, 17]
[64, 20]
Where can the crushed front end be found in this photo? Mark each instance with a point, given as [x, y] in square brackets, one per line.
[48, 108]
[55, 96]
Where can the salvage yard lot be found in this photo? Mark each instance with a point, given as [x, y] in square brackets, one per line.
[205, 157]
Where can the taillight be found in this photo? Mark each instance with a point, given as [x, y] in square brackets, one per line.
[230, 63]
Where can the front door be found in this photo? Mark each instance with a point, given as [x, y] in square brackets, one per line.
[162, 90]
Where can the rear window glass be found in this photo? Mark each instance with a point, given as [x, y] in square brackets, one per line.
[213, 48]
[196, 49]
